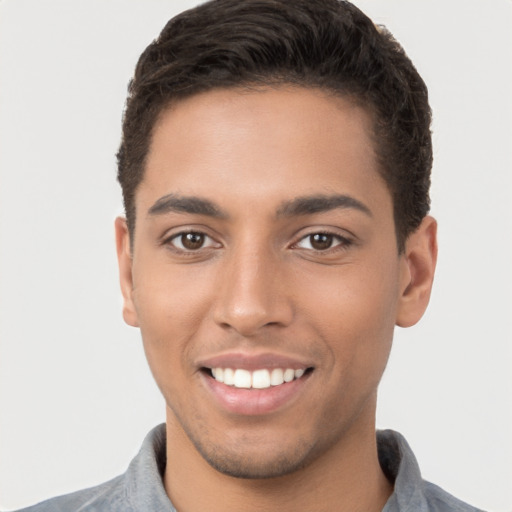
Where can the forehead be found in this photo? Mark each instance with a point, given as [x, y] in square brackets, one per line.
[261, 144]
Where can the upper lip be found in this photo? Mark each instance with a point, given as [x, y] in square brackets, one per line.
[253, 362]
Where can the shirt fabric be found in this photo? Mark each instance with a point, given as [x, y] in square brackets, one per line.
[141, 488]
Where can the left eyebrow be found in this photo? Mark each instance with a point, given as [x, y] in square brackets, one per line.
[186, 204]
[308, 205]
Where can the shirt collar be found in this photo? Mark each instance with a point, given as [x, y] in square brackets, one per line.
[401, 468]
[145, 490]
[144, 478]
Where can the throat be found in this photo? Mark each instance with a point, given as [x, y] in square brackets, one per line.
[325, 484]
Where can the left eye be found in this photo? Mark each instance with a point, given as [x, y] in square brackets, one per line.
[321, 241]
[191, 241]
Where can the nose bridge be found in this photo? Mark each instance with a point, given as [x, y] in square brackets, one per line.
[250, 294]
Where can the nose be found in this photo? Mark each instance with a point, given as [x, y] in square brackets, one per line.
[251, 293]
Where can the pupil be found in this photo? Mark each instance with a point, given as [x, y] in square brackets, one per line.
[192, 240]
[321, 241]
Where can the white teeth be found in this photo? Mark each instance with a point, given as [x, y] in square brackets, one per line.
[229, 376]
[259, 379]
[289, 375]
[276, 377]
[242, 379]
[218, 373]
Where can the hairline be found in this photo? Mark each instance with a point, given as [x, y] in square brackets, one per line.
[274, 82]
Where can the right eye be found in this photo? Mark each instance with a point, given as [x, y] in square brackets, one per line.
[191, 241]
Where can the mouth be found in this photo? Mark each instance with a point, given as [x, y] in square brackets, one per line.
[262, 378]
[261, 391]
[244, 384]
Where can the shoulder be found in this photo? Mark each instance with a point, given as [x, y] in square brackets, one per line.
[411, 491]
[139, 489]
[440, 501]
[108, 496]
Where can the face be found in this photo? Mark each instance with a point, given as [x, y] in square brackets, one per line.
[264, 275]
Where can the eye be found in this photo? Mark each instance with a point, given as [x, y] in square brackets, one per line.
[191, 241]
[322, 241]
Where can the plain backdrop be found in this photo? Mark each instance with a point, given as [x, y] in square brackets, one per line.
[76, 396]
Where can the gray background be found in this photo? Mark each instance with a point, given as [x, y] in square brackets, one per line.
[76, 397]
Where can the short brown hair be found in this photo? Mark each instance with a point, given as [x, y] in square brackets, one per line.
[328, 44]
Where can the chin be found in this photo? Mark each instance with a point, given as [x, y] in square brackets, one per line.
[254, 460]
[263, 466]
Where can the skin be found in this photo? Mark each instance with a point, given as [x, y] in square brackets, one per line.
[256, 282]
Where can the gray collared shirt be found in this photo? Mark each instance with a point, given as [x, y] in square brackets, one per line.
[141, 488]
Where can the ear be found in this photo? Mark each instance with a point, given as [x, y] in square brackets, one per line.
[124, 258]
[418, 266]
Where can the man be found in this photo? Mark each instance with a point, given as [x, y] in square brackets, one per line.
[275, 169]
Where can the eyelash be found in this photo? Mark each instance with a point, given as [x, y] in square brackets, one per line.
[170, 242]
[340, 242]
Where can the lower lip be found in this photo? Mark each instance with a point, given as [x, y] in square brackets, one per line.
[253, 402]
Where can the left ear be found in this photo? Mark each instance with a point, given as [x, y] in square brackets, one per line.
[419, 264]
[124, 258]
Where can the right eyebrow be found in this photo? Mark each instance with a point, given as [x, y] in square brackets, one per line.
[308, 205]
[186, 204]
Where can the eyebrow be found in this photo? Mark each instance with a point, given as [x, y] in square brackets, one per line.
[304, 205]
[186, 204]
[308, 205]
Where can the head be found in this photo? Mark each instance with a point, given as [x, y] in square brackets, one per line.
[326, 44]
[275, 154]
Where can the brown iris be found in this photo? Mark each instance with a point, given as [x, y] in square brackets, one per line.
[192, 241]
[321, 241]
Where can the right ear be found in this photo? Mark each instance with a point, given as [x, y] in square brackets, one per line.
[124, 259]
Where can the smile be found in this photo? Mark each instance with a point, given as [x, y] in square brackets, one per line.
[254, 386]
[258, 379]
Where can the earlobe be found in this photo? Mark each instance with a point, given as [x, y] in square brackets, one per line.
[124, 258]
[419, 263]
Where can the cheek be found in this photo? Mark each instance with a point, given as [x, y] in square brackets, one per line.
[354, 313]
[170, 307]
[167, 298]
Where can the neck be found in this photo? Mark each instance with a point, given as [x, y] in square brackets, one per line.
[346, 478]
